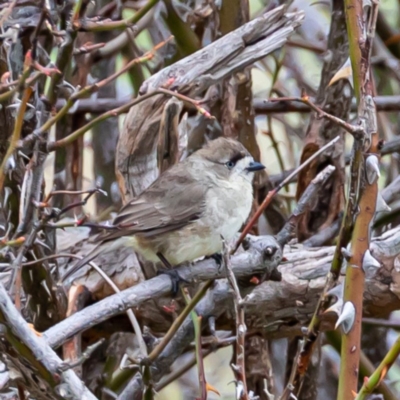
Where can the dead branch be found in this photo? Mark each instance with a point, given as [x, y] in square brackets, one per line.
[276, 309]
[136, 158]
[43, 362]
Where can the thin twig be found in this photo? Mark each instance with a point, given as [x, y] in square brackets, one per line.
[198, 350]
[93, 26]
[371, 383]
[95, 87]
[87, 48]
[305, 99]
[72, 193]
[176, 374]
[129, 312]
[239, 368]
[16, 133]
[177, 323]
[85, 356]
[52, 146]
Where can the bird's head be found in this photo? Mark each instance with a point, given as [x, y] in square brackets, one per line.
[230, 158]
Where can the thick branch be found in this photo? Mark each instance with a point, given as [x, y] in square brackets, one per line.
[274, 308]
[43, 359]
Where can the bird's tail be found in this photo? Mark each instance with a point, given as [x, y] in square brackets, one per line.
[93, 254]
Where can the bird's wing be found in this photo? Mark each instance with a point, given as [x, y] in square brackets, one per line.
[173, 201]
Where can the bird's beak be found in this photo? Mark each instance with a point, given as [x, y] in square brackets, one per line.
[255, 166]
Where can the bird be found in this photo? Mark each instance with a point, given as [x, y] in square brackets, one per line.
[188, 210]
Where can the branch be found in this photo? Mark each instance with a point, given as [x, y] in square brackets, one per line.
[361, 22]
[45, 362]
[261, 106]
[277, 309]
[353, 129]
[262, 257]
[212, 305]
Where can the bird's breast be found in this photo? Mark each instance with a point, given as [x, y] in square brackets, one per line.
[228, 207]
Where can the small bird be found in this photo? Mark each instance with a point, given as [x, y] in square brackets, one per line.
[187, 211]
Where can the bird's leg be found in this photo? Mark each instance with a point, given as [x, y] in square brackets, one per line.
[164, 260]
[176, 279]
[218, 258]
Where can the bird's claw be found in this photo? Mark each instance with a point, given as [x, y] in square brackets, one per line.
[176, 280]
[218, 258]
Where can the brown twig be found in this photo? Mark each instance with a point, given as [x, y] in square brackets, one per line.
[87, 48]
[261, 107]
[95, 87]
[305, 99]
[52, 146]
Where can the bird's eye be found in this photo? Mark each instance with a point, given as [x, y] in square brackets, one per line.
[230, 164]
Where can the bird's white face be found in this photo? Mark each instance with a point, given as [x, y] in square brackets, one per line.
[241, 169]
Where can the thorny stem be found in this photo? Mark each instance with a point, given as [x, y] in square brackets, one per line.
[308, 344]
[16, 266]
[63, 59]
[21, 83]
[361, 34]
[366, 367]
[307, 347]
[77, 11]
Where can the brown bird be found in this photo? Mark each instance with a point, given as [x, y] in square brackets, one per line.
[187, 211]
